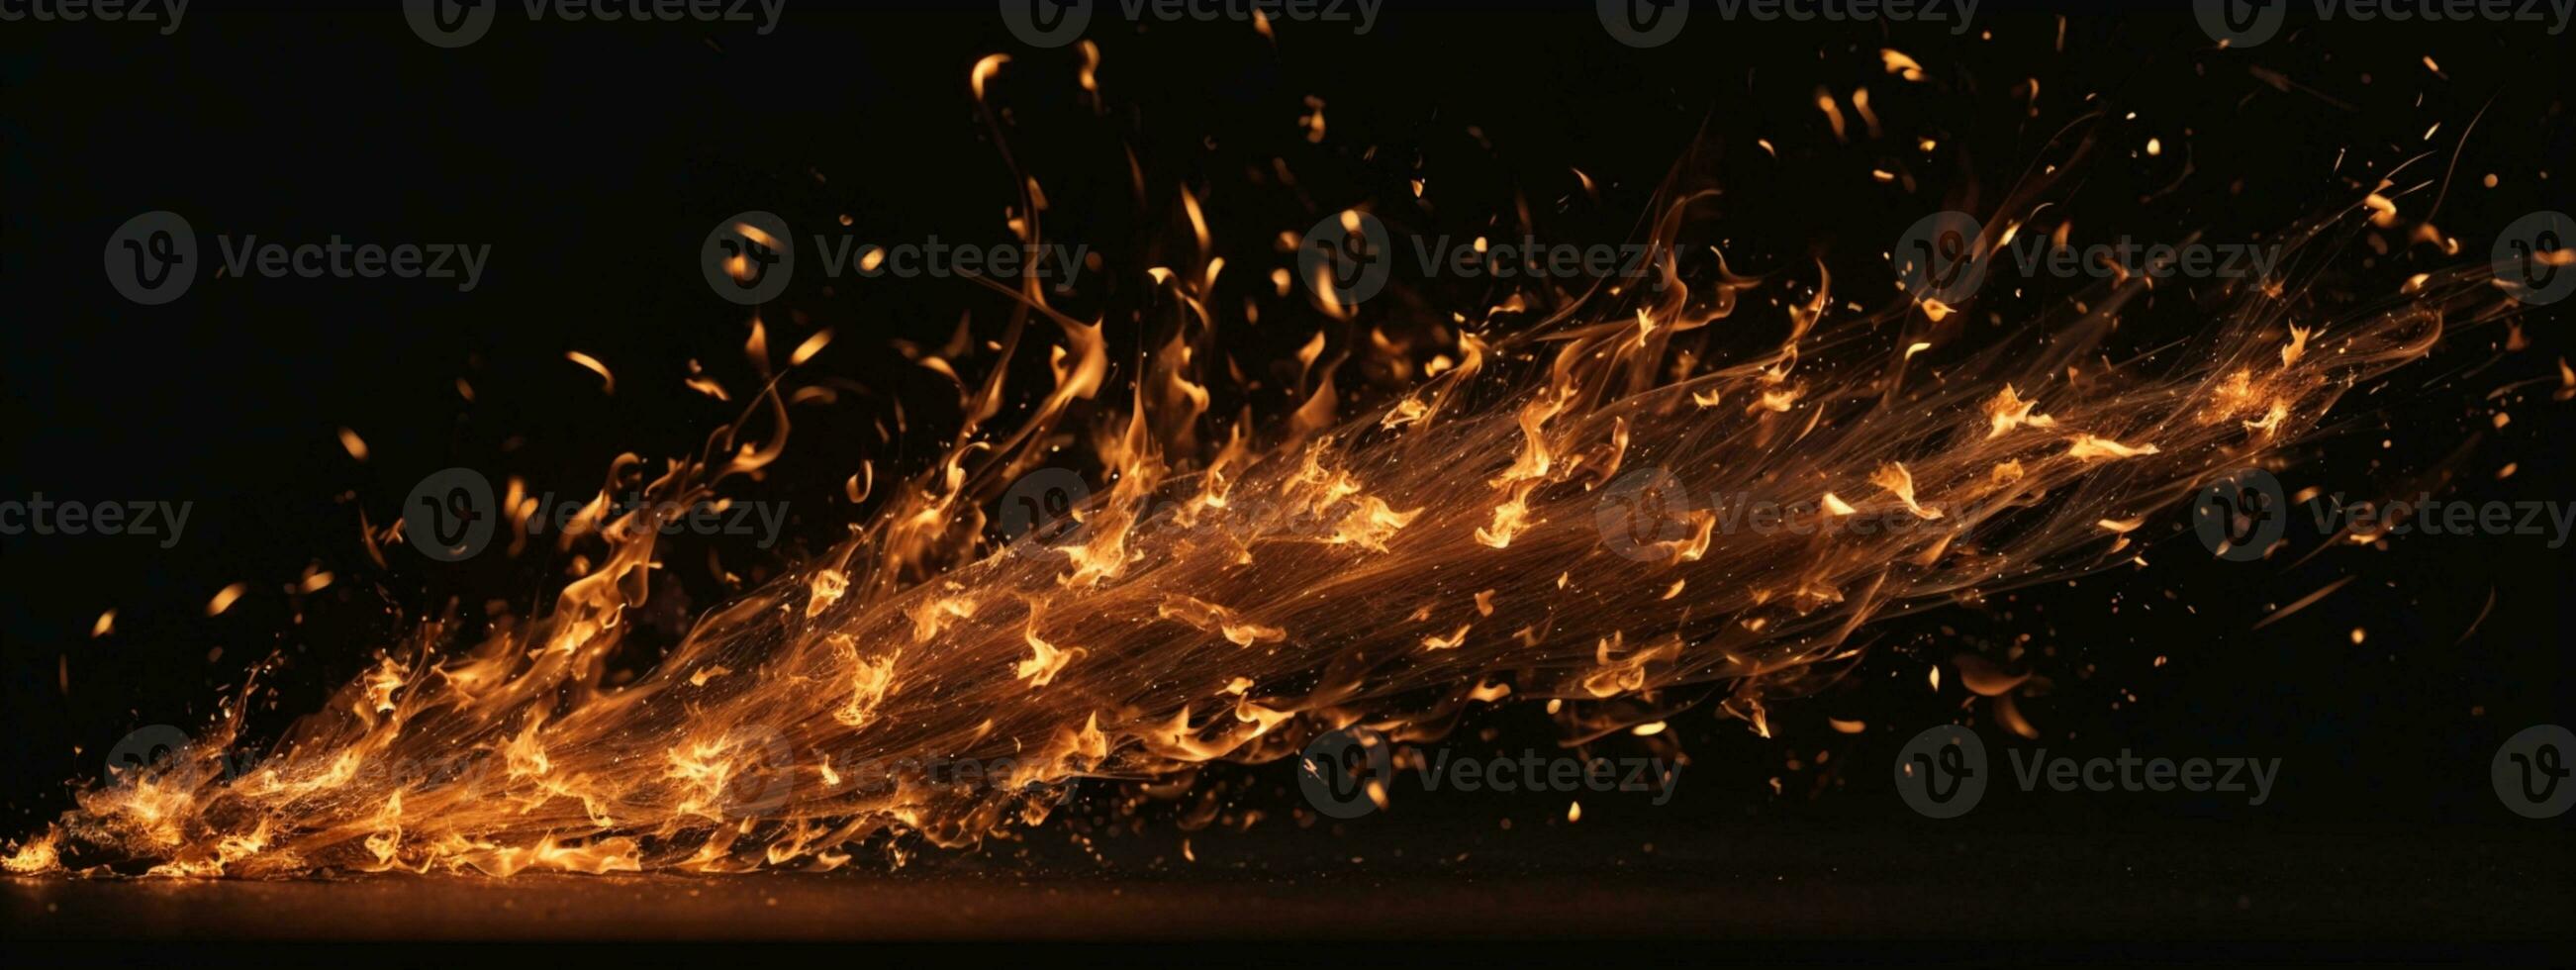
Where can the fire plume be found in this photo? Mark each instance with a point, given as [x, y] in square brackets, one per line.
[1530, 520]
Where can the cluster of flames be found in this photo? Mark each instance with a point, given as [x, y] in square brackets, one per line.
[1237, 585]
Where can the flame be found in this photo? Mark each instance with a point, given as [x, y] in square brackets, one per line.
[1454, 544]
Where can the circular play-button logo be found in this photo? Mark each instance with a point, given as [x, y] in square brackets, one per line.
[2240, 23]
[1938, 259]
[1942, 772]
[450, 23]
[1046, 23]
[1337, 769]
[2531, 771]
[152, 258]
[749, 257]
[450, 515]
[1644, 23]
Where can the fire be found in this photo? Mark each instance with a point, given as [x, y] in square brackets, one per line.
[1228, 595]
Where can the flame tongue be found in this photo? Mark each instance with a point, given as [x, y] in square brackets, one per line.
[1521, 524]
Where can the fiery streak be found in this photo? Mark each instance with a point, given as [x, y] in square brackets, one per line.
[1454, 546]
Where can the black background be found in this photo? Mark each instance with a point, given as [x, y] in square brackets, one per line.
[594, 158]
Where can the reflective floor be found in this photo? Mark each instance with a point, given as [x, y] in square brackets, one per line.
[2344, 890]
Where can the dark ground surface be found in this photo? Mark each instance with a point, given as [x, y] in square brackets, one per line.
[1774, 893]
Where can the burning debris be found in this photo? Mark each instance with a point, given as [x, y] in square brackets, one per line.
[1528, 519]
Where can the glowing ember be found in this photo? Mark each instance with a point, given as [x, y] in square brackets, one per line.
[1519, 524]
